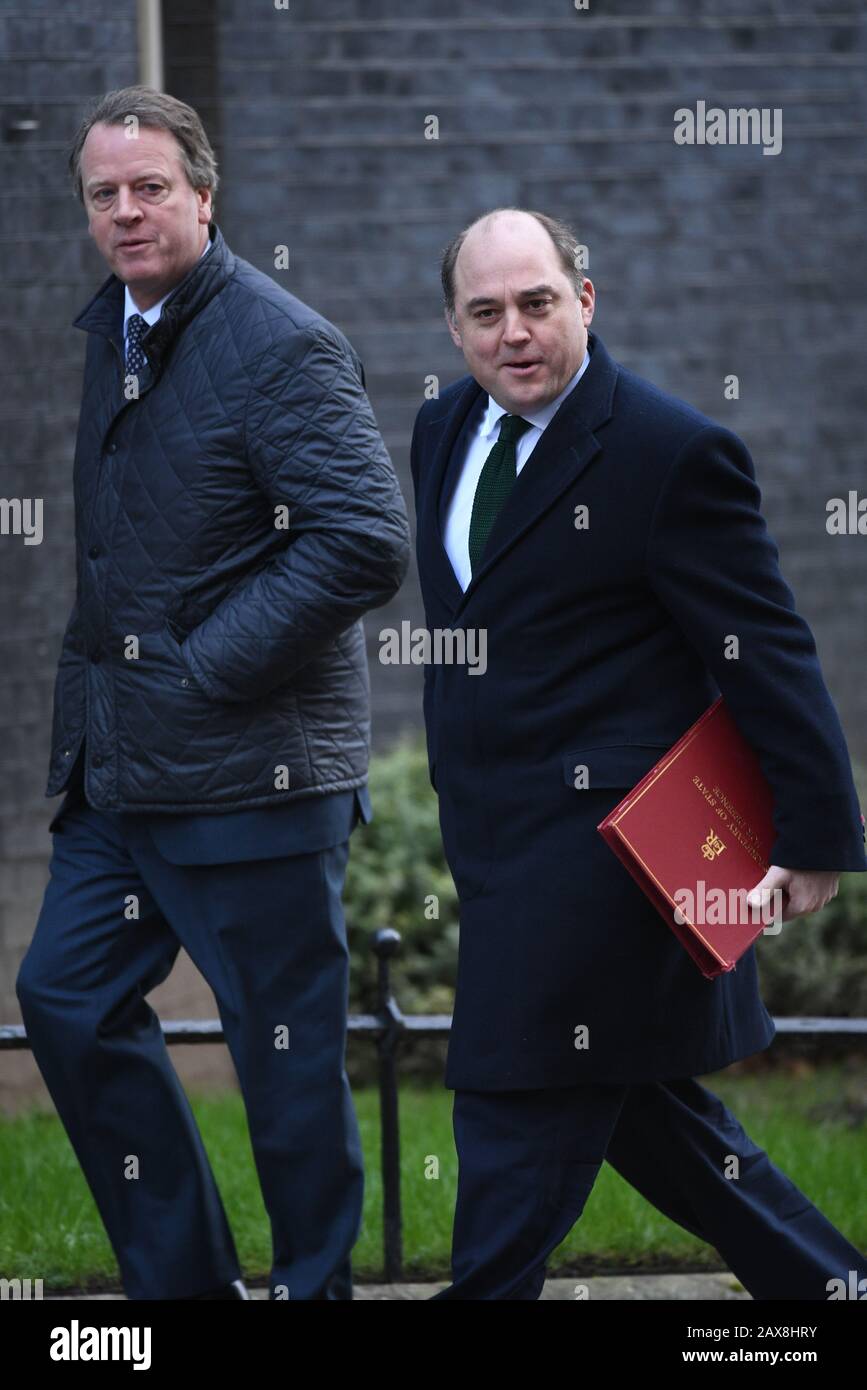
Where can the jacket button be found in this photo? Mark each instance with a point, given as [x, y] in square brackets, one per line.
[184, 680]
[112, 449]
[93, 552]
[96, 760]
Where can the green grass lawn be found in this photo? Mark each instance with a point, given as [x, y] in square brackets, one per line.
[812, 1126]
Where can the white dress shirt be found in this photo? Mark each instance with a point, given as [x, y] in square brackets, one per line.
[457, 528]
[151, 315]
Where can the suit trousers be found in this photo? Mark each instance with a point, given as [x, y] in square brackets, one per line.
[528, 1160]
[269, 937]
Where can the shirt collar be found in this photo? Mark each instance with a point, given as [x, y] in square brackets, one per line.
[151, 315]
[541, 417]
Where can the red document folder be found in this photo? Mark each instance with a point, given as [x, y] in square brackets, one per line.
[701, 820]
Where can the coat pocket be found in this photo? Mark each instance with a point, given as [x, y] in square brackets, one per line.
[164, 724]
[182, 674]
[611, 764]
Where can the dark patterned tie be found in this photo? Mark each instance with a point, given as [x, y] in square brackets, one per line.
[136, 328]
[496, 481]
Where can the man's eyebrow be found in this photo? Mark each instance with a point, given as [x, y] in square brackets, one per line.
[522, 294]
[148, 174]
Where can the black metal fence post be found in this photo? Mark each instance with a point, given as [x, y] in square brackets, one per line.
[386, 943]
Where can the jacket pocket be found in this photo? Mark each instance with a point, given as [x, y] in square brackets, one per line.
[168, 742]
[175, 628]
[181, 672]
[611, 764]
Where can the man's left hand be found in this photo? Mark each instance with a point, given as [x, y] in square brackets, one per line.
[807, 890]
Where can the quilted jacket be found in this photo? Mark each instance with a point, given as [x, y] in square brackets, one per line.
[233, 523]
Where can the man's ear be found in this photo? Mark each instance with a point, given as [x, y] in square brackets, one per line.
[587, 303]
[453, 329]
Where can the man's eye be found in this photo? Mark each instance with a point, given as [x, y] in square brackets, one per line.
[539, 302]
[153, 187]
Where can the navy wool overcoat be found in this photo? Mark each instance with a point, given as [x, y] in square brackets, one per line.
[604, 641]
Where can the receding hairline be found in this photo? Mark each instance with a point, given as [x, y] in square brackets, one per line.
[487, 219]
[558, 232]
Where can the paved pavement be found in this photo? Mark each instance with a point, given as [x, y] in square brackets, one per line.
[658, 1287]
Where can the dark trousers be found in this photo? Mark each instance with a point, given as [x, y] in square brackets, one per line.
[528, 1160]
[269, 937]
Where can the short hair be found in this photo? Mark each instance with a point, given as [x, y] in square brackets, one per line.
[155, 110]
[562, 235]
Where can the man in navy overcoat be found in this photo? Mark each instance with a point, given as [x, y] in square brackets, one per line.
[604, 542]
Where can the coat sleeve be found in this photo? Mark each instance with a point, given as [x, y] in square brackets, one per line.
[313, 446]
[429, 670]
[714, 566]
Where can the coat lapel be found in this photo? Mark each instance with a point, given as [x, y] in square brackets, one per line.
[565, 449]
[452, 427]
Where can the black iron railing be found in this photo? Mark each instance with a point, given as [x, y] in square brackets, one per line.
[389, 1030]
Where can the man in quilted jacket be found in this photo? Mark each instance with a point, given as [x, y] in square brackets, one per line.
[236, 515]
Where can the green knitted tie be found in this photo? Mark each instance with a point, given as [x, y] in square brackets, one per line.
[496, 481]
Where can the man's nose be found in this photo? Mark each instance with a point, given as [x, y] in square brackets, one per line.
[514, 328]
[126, 205]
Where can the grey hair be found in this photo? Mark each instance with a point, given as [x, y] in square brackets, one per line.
[562, 235]
[156, 110]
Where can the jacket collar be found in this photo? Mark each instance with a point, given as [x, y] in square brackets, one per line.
[566, 447]
[104, 313]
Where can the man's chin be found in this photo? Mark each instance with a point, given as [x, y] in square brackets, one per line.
[527, 398]
[143, 271]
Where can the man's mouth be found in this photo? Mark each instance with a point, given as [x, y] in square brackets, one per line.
[134, 243]
[522, 366]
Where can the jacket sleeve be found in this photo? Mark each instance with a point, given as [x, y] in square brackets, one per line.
[714, 566]
[313, 446]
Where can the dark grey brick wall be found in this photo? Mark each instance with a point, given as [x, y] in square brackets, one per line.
[707, 260]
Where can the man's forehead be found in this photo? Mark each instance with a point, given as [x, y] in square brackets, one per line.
[154, 147]
[530, 274]
[515, 260]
